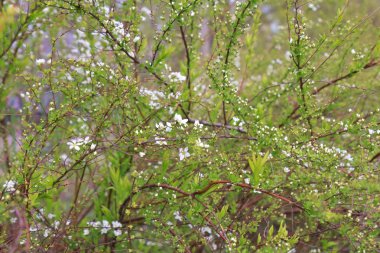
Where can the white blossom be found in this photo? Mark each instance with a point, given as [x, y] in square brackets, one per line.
[116, 224]
[177, 216]
[75, 144]
[179, 120]
[40, 61]
[183, 153]
[86, 231]
[137, 38]
[199, 143]
[117, 232]
[10, 185]
[176, 77]
[198, 125]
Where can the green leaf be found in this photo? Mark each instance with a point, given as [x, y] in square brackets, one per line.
[223, 212]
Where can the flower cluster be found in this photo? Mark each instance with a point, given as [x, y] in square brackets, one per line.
[76, 143]
[10, 186]
[104, 226]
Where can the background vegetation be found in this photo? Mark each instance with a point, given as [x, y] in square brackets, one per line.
[189, 126]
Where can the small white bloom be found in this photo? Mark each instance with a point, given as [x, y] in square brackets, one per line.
[74, 144]
[13, 220]
[168, 127]
[141, 154]
[51, 216]
[117, 232]
[104, 231]
[40, 61]
[46, 232]
[286, 170]
[177, 216]
[198, 125]
[10, 185]
[160, 126]
[371, 132]
[183, 153]
[56, 224]
[86, 140]
[93, 146]
[137, 38]
[199, 143]
[176, 77]
[160, 141]
[116, 224]
[205, 230]
[86, 231]
[247, 180]
[179, 119]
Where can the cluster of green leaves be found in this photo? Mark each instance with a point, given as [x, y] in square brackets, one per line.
[189, 126]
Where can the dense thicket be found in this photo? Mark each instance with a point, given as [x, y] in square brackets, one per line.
[189, 126]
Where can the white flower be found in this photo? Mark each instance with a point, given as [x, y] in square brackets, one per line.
[137, 38]
[94, 224]
[199, 143]
[40, 61]
[160, 141]
[197, 125]
[117, 232]
[141, 154]
[168, 127]
[86, 231]
[371, 132]
[183, 153]
[106, 223]
[205, 230]
[75, 144]
[93, 146]
[51, 216]
[46, 232]
[286, 170]
[160, 126]
[56, 224]
[13, 220]
[86, 140]
[9, 185]
[177, 216]
[116, 224]
[179, 119]
[119, 28]
[176, 77]
[104, 231]
[247, 180]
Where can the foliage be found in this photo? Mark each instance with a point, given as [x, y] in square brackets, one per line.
[189, 126]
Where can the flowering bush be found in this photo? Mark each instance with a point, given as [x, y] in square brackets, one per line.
[189, 126]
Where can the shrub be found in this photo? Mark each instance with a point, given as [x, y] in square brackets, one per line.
[189, 126]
